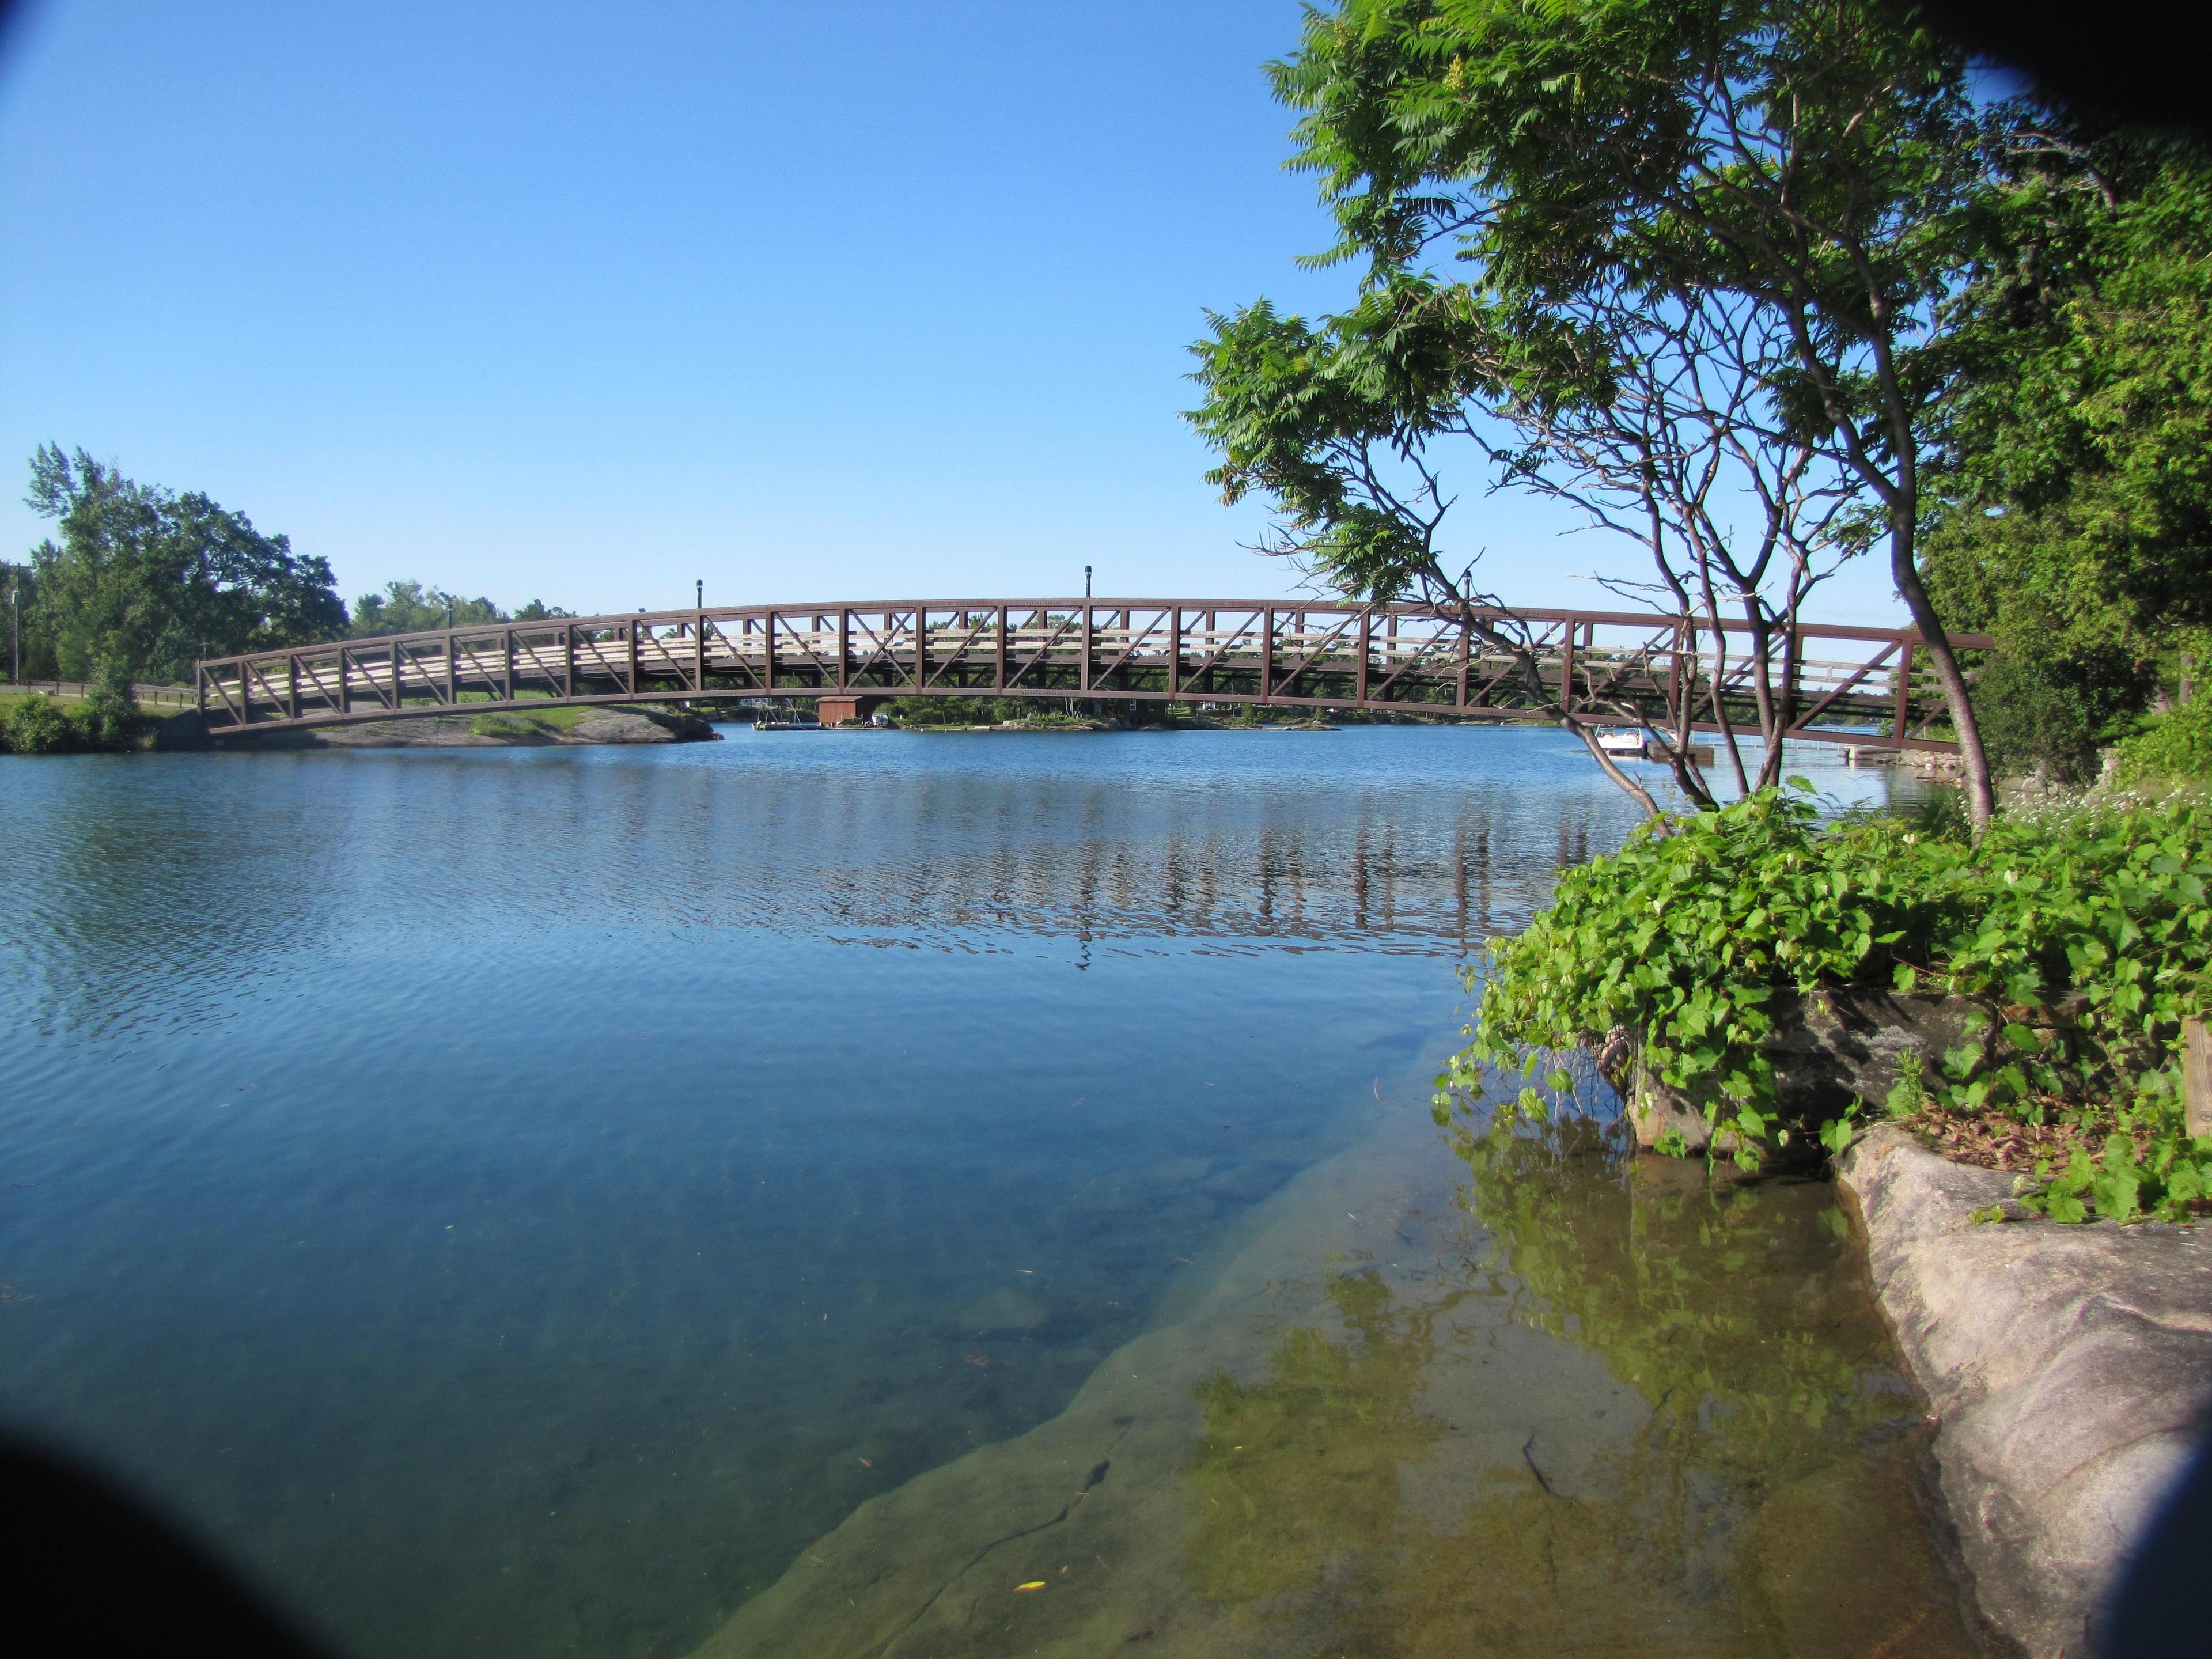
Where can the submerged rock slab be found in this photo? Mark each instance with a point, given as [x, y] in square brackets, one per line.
[2069, 1367]
[1390, 1416]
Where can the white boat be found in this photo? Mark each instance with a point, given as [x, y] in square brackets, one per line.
[1622, 742]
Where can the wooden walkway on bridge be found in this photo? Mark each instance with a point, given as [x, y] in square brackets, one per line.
[1852, 686]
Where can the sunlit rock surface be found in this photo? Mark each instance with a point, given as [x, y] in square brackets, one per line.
[2067, 1365]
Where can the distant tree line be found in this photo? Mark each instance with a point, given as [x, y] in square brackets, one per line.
[407, 607]
[137, 581]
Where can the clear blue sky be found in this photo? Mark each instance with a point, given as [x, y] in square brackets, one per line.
[585, 301]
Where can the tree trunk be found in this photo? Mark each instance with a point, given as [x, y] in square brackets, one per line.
[1981, 798]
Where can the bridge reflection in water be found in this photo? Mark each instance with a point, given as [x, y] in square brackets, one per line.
[1852, 686]
[1277, 882]
[977, 843]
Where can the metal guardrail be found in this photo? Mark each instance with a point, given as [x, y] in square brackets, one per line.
[1864, 686]
[149, 696]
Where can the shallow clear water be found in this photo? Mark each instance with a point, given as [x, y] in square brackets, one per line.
[515, 1201]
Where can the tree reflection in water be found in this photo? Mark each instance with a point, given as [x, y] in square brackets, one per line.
[1766, 1503]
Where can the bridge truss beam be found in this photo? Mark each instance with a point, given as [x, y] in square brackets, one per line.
[1863, 686]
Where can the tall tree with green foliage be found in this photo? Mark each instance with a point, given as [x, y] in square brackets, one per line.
[145, 581]
[2073, 514]
[409, 607]
[1816, 165]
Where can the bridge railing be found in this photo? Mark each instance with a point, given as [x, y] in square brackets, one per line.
[1846, 685]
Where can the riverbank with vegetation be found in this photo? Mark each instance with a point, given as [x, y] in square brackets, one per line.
[1988, 1033]
[2071, 942]
[107, 721]
[102, 717]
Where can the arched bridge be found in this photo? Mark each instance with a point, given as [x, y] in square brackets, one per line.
[1852, 686]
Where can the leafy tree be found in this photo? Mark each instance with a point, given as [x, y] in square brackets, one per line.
[2052, 713]
[407, 607]
[148, 579]
[30, 656]
[538, 611]
[2075, 518]
[1816, 166]
[1641, 417]
[111, 706]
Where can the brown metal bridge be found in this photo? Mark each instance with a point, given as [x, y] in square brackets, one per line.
[1864, 686]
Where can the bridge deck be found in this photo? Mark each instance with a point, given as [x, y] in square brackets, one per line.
[1853, 685]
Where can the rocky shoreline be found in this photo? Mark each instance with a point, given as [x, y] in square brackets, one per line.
[503, 729]
[2068, 1368]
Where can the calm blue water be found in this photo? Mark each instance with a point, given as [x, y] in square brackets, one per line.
[513, 1200]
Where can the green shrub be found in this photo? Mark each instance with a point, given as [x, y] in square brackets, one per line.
[1685, 935]
[2171, 747]
[109, 713]
[39, 726]
[2086, 929]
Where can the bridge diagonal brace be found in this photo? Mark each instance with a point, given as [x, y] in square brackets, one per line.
[1820, 708]
[387, 685]
[235, 710]
[1222, 648]
[1479, 695]
[721, 650]
[1423, 654]
[541, 660]
[658, 657]
[883, 646]
[1553, 638]
[975, 632]
[1612, 672]
[788, 632]
[692, 664]
[252, 673]
[613, 668]
[409, 665]
[312, 673]
[1286, 676]
[1038, 655]
[1130, 650]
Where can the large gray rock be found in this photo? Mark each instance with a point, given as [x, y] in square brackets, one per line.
[1828, 1047]
[2067, 1366]
[506, 729]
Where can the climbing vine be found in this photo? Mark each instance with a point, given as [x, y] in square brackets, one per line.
[2082, 935]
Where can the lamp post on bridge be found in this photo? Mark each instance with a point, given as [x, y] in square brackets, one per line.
[1086, 581]
[15, 624]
